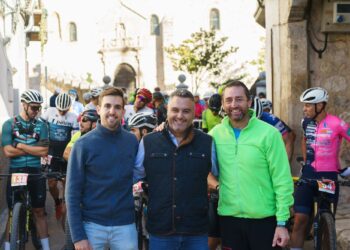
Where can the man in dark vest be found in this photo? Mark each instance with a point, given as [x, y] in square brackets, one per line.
[177, 162]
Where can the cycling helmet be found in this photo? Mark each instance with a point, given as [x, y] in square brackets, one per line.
[145, 93]
[63, 102]
[256, 105]
[87, 96]
[140, 120]
[215, 103]
[266, 104]
[158, 95]
[314, 95]
[95, 92]
[73, 92]
[91, 114]
[31, 96]
[207, 95]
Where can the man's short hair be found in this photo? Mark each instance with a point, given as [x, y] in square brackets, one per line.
[113, 91]
[184, 93]
[236, 83]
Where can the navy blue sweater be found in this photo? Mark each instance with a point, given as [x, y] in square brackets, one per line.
[99, 180]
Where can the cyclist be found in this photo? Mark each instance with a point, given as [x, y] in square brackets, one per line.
[143, 97]
[141, 124]
[320, 146]
[287, 133]
[24, 141]
[87, 122]
[211, 116]
[159, 106]
[62, 124]
[77, 107]
[95, 93]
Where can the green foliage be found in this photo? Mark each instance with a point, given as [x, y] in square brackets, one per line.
[200, 56]
[260, 61]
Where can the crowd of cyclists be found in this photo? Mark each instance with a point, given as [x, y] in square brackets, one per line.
[240, 145]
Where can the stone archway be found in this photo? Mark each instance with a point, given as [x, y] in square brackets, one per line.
[125, 77]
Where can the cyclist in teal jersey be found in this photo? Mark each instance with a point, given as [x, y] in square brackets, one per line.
[24, 141]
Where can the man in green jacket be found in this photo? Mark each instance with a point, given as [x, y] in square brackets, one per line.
[255, 181]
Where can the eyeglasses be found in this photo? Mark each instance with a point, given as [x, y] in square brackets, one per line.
[35, 108]
[85, 119]
[141, 98]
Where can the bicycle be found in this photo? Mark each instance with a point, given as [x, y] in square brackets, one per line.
[21, 218]
[323, 215]
[141, 201]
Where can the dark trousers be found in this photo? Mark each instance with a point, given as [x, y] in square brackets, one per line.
[247, 234]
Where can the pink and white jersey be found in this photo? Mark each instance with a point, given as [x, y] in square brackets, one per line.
[323, 142]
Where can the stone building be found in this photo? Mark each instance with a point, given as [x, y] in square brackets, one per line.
[307, 45]
[125, 40]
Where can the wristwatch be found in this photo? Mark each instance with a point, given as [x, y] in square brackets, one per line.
[281, 224]
[217, 187]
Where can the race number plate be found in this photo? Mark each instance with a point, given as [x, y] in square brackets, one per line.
[19, 179]
[326, 186]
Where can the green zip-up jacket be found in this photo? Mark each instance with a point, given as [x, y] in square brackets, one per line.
[255, 179]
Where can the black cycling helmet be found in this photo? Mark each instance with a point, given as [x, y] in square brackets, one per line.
[91, 114]
[215, 103]
[140, 120]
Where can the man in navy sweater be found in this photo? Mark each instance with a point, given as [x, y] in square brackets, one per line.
[99, 181]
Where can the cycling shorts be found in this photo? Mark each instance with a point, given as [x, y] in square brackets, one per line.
[36, 186]
[214, 221]
[305, 192]
[58, 165]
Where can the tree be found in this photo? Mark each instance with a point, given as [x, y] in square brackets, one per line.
[260, 61]
[201, 56]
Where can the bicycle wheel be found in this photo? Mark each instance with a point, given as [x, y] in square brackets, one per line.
[18, 227]
[68, 238]
[327, 239]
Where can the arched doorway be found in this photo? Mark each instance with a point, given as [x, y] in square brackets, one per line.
[125, 77]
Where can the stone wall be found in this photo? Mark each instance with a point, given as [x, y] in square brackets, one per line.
[293, 66]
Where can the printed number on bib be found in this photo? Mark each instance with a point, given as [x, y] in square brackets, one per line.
[326, 186]
[19, 179]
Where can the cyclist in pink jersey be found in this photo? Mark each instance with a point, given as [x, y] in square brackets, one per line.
[323, 135]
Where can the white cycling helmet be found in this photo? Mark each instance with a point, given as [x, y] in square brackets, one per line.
[314, 95]
[257, 106]
[95, 92]
[63, 102]
[140, 120]
[31, 96]
[266, 104]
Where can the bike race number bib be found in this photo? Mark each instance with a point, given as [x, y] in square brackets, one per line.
[326, 186]
[19, 179]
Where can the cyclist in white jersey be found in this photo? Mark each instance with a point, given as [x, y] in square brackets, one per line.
[62, 125]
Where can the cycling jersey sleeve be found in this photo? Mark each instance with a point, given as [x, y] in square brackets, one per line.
[139, 169]
[214, 161]
[75, 137]
[345, 130]
[6, 138]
